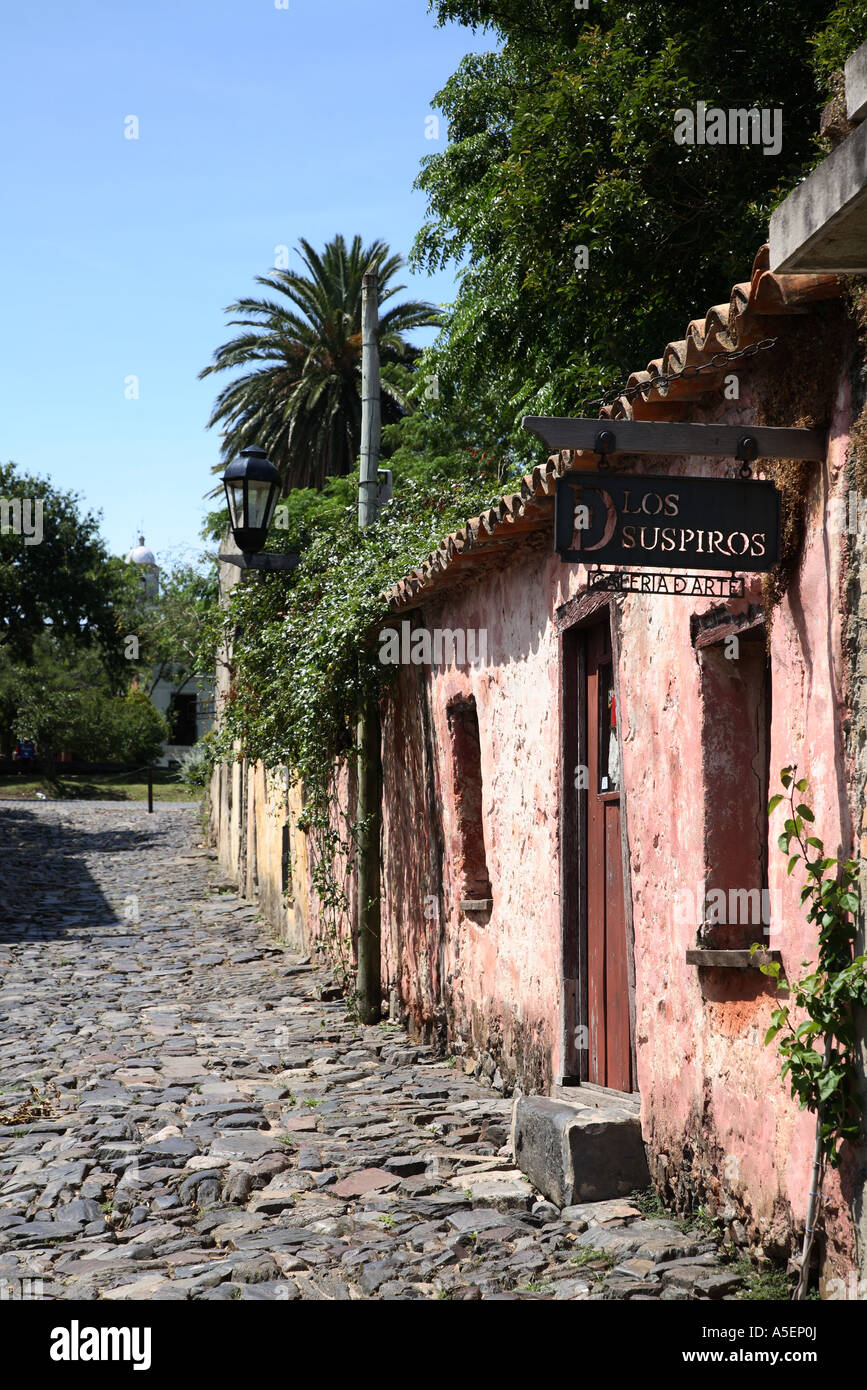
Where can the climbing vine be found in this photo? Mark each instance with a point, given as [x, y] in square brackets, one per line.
[822, 1082]
[824, 999]
[305, 651]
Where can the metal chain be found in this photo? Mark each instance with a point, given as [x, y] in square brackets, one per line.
[716, 363]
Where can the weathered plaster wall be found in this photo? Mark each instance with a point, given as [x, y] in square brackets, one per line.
[703, 1072]
[854, 540]
[498, 973]
[721, 1126]
[250, 847]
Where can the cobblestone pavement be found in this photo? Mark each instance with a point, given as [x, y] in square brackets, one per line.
[207, 1123]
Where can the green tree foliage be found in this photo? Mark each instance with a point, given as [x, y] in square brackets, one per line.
[66, 581]
[844, 31]
[305, 648]
[564, 137]
[301, 398]
[170, 626]
[63, 700]
[91, 725]
[67, 609]
[304, 645]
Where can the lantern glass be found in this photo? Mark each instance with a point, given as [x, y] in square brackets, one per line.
[258, 508]
[235, 498]
[252, 486]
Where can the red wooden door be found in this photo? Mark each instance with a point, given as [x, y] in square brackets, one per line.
[610, 1053]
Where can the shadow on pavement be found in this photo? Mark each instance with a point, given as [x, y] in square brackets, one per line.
[46, 887]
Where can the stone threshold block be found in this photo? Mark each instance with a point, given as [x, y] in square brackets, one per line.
[576, 1153]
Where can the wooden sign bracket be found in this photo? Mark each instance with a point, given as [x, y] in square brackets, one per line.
[607, 437]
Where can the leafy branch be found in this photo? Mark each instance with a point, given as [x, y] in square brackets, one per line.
[823, 1081]
[305, 653]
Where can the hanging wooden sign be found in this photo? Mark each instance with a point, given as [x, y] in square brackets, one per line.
[667, 522]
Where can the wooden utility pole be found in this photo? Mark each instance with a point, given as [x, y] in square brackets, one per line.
[369, 814]
[371, 423]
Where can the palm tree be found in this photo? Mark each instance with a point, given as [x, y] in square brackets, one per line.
[303, 403]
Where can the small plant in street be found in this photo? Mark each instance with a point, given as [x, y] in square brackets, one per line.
[648, 1202]
[824, 998]
[596, 1263]
[772, 1284]
[37, 1106]
[702, 1218]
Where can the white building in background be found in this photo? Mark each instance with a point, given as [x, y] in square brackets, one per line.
[187, 704]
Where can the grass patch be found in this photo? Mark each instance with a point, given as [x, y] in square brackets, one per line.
[702, 1219]
[648, 1202]
[87, 786]
[595, 1262]
[768, 1284]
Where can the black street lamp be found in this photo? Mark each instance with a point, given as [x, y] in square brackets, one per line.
[252, 486]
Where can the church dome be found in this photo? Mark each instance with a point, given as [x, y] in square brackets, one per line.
[141, 554]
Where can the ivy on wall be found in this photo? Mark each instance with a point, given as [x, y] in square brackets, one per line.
[305, 650]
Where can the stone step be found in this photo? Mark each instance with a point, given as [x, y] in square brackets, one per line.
[597, 1098]
[579, 1153]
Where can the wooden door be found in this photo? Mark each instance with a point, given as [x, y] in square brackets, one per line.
[609, 1051]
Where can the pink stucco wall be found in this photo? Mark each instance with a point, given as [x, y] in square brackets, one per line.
[720, 1125]
[703, 1071]
[500, 976]
[719, 1122]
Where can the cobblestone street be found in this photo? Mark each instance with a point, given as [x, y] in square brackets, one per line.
[207, 1123]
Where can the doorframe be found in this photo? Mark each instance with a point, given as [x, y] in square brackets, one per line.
[572, 620]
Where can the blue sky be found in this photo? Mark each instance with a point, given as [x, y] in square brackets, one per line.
[118, 256]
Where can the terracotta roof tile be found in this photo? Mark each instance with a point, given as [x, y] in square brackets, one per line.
[724, 328]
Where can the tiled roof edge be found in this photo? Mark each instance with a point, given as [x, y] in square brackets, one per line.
[724, 328]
